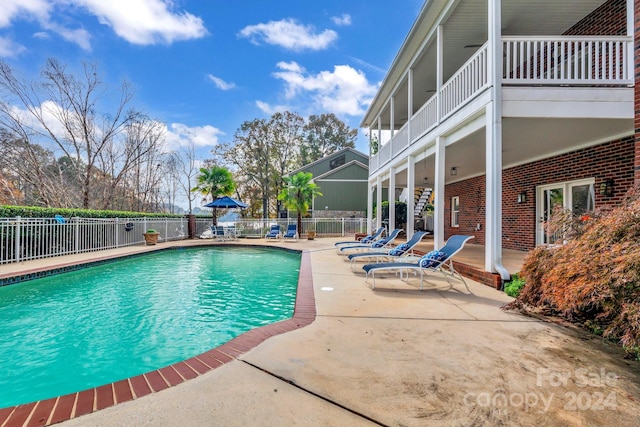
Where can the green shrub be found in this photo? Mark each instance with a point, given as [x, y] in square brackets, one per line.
[593, 279]
[7, 211]
[513, 286]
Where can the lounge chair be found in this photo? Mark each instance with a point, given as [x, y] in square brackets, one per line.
[218, 232]
[292, 233]
[367, 239]
[402, 250]
[435, 261]
[230, 233]
[381, 243]
[274, 232]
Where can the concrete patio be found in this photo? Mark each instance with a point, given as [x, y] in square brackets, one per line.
[396, 356]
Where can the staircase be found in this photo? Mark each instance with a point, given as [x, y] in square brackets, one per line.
[421, 197]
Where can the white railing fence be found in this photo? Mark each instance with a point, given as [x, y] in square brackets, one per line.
[585, 60]
[24, 239]
[528, 60]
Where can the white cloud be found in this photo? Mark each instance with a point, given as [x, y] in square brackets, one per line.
[141, 22]
[41, 35]
[271, 109]
[145, 22]
[180, 135]
[16, 9]
[9, 48]
[221, 84]
[344, 19]
[289, 34]
[343, 91]
[80, 36]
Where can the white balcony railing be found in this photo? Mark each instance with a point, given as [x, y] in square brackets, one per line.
[470, 79]
[584, 60]
[567, 61]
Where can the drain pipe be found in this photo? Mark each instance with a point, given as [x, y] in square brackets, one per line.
[504, 273]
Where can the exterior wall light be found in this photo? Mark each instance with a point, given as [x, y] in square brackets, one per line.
[606, 187]
[454, 170]
[522, 197]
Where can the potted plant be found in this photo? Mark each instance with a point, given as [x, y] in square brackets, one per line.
[151, 236]
[311, 234]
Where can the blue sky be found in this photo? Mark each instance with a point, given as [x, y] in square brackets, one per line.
[204, 67]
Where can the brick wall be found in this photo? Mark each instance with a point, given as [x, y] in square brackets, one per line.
[610, 19]
[612, 160]
[636, 89]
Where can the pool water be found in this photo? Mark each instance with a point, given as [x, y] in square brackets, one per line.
[98, 325]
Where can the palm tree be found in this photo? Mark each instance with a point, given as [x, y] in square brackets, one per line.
[298, 192]
[215, 181]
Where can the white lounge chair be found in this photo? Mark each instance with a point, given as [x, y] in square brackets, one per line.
[292, 233]
[435, 261]
[367, 239]
[393, 254]
[381, 243]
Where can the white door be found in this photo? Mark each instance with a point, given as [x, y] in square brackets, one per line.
[576, 196]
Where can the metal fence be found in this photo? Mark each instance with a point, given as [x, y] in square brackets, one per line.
[324, 227]
[23, 239]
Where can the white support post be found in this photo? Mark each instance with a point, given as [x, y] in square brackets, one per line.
[409, 104]
[392, 198]
[369, 207]
[379, 202]
[392, 117]
[439, 73]
[411, 189]
[493, 155]
[438, 188]
[630, 34]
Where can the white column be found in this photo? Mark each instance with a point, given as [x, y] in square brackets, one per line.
[369, 207]
[379, 202]
[392, 198]
[630, 33]
[493, 155]
[409, 103]
[438, 188]
[411, 189]
[439, 73]
[392, 116]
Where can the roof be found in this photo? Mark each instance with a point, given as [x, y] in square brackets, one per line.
[365, 159]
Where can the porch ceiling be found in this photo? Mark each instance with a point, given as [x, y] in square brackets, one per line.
[524, 140]
[465, 29]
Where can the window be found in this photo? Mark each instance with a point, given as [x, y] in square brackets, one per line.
[338, 161]
[455, 209]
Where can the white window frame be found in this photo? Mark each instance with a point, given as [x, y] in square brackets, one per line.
[455, 211]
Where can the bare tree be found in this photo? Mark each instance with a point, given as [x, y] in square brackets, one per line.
[186, 170]
[64, 109]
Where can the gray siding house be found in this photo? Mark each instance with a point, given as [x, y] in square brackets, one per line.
[342, 178]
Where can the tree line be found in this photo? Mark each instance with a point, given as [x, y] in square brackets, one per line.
[69, 140]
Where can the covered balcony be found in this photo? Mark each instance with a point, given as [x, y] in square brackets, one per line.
[547, 72]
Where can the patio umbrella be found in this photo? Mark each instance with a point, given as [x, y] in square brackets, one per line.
[224, 202]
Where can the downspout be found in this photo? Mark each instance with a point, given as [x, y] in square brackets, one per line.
[495, 47]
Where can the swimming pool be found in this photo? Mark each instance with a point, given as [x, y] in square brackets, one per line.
[69, 332]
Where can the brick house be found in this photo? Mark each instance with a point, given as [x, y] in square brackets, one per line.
[509, 108]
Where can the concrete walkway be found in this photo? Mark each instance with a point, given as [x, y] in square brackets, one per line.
[398, 356]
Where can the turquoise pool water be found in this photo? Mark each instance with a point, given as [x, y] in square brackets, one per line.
[98, 325]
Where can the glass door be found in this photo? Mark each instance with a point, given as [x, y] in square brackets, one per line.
[576, 196]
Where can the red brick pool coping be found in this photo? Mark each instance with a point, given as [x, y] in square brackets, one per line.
[58, 409]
